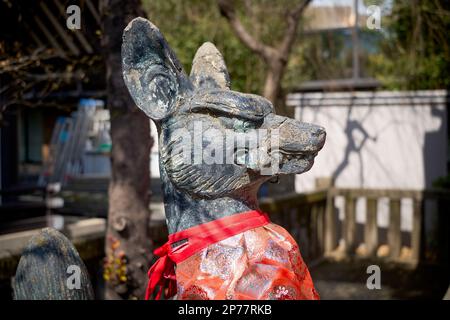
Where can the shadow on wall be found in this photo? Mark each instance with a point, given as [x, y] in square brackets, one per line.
[352, 128]
[356, 128]
[432, 143]
[438, 212]
[377, 139]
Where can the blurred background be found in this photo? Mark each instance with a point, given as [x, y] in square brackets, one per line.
[75, 154]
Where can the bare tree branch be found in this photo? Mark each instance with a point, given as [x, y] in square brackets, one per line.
[293, 19]
[227, 10]
[276, 57]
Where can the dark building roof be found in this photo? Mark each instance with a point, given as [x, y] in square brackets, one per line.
[42, 59]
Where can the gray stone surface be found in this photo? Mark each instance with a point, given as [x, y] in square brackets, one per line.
[199, 192]
[42, 270]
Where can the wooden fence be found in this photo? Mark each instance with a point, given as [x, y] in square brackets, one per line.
[312, 219]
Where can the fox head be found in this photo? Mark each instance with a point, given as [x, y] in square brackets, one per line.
[214, 142]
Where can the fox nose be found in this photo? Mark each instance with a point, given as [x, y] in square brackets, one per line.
[319, 133]
[300, 137]
[318, 130]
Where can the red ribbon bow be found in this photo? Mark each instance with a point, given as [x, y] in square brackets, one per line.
[162, 273]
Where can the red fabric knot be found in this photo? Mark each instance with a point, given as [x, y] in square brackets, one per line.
[162, 273]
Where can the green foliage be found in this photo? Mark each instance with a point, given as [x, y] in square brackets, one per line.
[319, 56]
[188, 24]
[415, 53]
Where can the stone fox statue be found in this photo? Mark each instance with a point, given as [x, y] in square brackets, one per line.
[211, 165]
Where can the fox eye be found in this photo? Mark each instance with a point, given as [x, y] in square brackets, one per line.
[241, 156]
[276, 154]
[243, 125]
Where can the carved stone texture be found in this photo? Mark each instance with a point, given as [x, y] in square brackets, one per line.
[201, 111]
[48, 270]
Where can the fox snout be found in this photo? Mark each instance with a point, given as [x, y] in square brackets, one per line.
[301, 138]
[298, 143]
[296, 137]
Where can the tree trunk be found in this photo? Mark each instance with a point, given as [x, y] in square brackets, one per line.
[128, 246]
[276, 57]
[273, 89]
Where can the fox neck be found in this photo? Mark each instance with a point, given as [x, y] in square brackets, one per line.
[183, 211]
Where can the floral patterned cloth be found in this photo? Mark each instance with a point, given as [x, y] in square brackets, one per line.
[262, 263]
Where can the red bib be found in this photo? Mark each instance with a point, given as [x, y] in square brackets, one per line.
[162, 273]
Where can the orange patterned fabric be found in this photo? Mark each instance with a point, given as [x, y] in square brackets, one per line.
[262, 263]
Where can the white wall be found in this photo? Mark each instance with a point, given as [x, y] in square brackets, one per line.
[377, 140]
[154, 155]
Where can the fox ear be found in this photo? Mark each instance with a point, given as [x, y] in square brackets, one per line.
[151, 71]
[208, 68]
